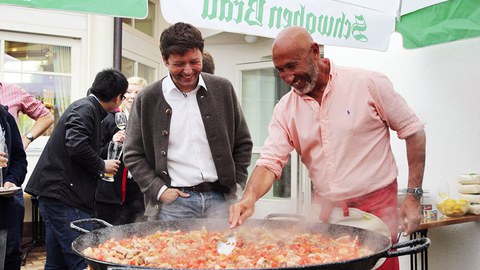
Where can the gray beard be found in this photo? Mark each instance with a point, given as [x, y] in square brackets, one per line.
[310, 85]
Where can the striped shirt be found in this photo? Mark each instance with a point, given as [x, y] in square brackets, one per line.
[19, 100]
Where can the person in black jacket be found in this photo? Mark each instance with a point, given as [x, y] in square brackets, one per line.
[121, 201]
[13, 164]
[66, 175]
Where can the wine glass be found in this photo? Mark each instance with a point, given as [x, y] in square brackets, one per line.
[121, 120]
[114, 151]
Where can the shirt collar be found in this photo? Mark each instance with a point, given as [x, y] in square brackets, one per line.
[168, 85]
[92, 95]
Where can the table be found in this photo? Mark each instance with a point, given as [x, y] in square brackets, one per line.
[422, 231]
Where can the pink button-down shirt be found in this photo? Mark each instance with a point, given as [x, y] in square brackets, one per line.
[345, 142]
[19, 100]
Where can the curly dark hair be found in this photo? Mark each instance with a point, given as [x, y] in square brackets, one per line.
[179, 38]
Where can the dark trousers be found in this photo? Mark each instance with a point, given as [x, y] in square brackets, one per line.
[58, 234]
[116, 214]
[11, 219]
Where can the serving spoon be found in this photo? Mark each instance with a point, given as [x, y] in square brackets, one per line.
[227, 244]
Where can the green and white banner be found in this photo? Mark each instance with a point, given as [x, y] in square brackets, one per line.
[117, 8]
[444, 22]
[330, 22]
[350, 23]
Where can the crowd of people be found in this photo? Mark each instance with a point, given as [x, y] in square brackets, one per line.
[187, 146]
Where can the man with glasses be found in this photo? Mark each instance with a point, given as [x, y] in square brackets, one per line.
[66, 175]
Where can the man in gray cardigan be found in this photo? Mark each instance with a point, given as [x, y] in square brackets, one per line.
[187, 143]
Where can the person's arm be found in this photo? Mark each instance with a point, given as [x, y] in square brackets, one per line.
[37, 111]
[137, 136]
[260, 183]
[40, 126]
[80, 130]
[17, 159]
[410, 210]
[109, 129]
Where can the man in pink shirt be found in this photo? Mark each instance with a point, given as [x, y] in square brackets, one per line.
[338, 120]
[19, 100]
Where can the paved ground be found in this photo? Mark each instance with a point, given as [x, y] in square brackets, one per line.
[35, 259]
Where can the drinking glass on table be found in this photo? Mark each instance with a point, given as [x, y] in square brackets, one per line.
[114, 151]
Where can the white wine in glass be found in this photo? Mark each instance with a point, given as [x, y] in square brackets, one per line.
[121, 120]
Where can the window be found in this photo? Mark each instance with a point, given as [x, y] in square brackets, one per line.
[133, 68]
[261, 90]
[43, 70]
[146, 25]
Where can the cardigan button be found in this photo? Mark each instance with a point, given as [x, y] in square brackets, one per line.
[168, 112]
[164, 132]
[165, 172]
[163, 153]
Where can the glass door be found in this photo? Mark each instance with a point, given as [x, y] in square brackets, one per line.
[259, 89]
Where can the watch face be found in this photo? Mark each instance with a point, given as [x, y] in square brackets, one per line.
[417, 192]
[29, 136]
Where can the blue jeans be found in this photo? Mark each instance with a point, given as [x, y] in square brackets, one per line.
[198, 205]
[58, 234]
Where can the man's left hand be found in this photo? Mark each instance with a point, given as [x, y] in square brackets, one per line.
[410, 214]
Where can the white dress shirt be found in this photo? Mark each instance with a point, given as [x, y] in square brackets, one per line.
[189, 159]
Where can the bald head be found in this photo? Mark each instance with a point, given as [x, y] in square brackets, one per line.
[297, 59]
[293, 38]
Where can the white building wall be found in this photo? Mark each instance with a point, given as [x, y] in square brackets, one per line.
[441, 83]
[227, 57]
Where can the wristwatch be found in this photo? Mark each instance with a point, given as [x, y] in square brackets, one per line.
[417, 192]
[30, 136]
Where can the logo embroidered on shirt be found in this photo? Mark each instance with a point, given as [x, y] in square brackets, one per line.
[348, 112]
